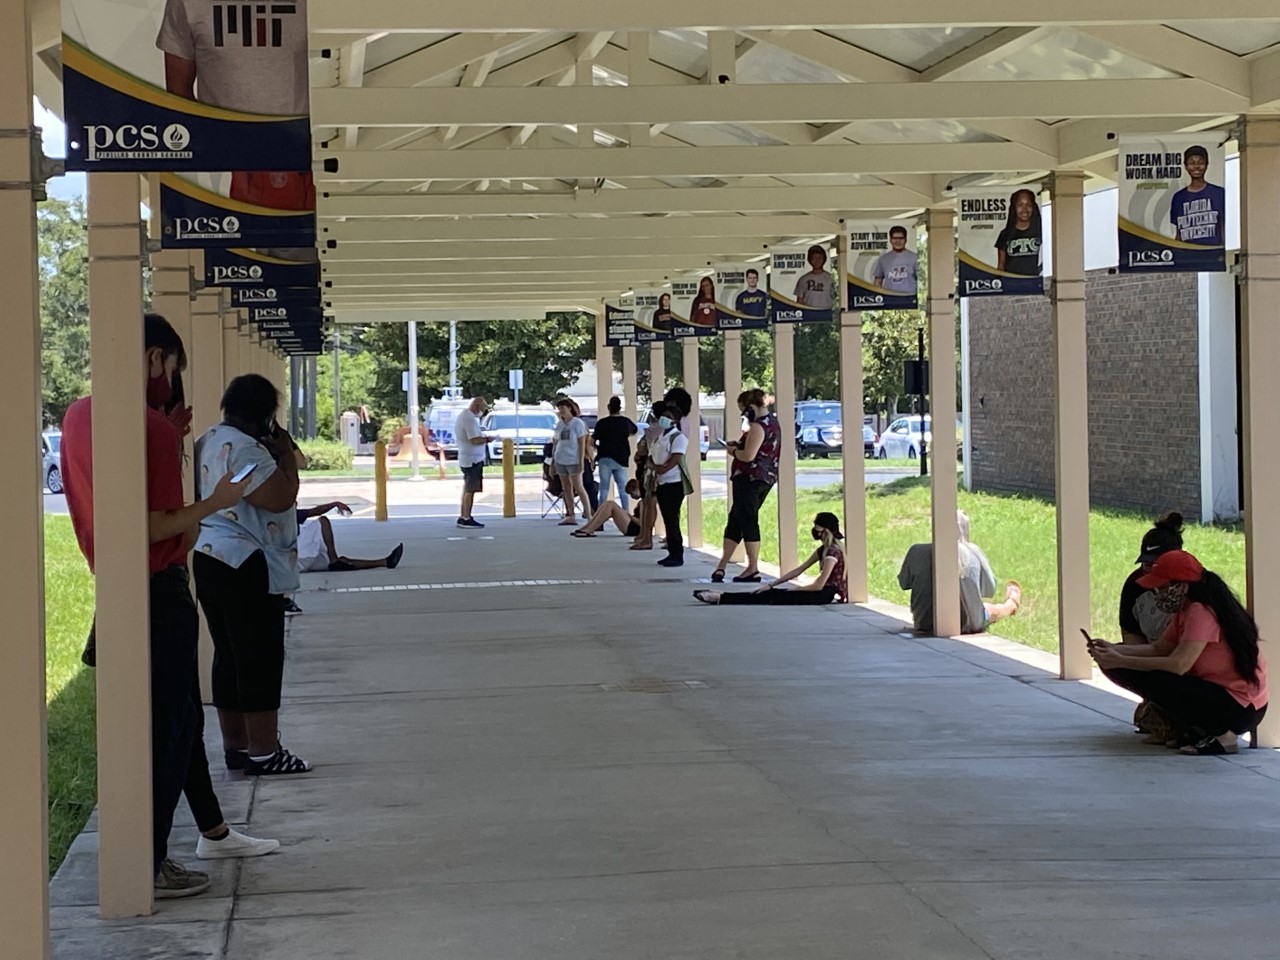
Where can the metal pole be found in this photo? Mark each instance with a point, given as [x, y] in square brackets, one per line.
[453, 356]
[924, 453]
[337, 384]
[413, 398]
[312, 391]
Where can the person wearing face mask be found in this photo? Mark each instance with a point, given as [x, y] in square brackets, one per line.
[246, 561]
[753, 472]
[672, 483]
[1207, 674]
[830, 586]
[172, 529]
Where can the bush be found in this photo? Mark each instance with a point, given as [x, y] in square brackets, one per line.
[326, 454]
[389, 427]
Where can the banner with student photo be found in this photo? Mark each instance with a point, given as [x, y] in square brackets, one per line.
[742, 297]
[619, 325]
[802, 288]
[177, 85]
[880, 266]
[652, 310]
[693, 307]
[231, 267]
[198, 215]
[1001, 241]
[1173, 207]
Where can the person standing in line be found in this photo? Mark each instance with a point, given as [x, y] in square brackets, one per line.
[830, 586]
[647, 479]
[246, 562]
[753, 472]
[613, 447]
[174, 623]
[472, 453]
[569, 456]
[672, 484]
[816, 289]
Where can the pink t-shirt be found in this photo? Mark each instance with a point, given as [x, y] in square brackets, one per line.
[1216, 664]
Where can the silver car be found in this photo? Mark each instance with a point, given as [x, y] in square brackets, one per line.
[51, 448]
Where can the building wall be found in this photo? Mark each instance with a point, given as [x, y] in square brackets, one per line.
[1144, 407]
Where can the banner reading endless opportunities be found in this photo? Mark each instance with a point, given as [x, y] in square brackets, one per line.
[1172, 204]
[1000, 238]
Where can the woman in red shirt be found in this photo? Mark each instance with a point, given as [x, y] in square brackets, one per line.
[1207, 674]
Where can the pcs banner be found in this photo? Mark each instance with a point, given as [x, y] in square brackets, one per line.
[256, 269]
[619, 325]
[246, 296]
[194, 216]
[802, 288]
[880, 266]
[1000, 239]
[652, 311]
[186, 85]
[742, 300]
[1172, 205]
[693, 307]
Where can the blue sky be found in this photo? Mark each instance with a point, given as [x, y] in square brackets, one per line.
[55, 145]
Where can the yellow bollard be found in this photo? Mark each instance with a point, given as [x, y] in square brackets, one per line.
[508, 477]
[380, 480]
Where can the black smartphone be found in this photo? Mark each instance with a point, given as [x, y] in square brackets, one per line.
[1087, 639]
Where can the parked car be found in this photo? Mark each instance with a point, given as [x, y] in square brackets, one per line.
[819, 429]
[869, 441]
[902, 438]
[51, 448]
[531, 430]
[441, 418]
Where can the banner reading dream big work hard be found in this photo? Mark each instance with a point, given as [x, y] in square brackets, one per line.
[1173, 207]
[619, 325]
[742, 297]
[802, 288]
[1000, 239]
[880, 266]
[195, 216]
[186, 85]
[244, 268]
[652, 314]
[693, 307]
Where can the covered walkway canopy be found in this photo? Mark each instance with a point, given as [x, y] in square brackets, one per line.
[494, 160]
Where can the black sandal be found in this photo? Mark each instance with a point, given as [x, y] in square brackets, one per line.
[717, 576]
[747, 578]
[1210, 747]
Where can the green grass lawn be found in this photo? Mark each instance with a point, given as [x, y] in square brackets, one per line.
[73, 748]
[1018, 535]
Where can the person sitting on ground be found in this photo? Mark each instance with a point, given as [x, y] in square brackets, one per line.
[1207, 674]
[1142, 620]
[976, 581]
[628, 524]
[830, 586]
[316, 549]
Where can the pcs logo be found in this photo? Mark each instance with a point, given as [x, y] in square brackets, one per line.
[206, 228]
[237, 273]
[984, 285]
[133, 142]
[1150, 258]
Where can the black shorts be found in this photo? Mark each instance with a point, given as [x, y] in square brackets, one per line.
[633, 528]
[246, 622]
[473, 478]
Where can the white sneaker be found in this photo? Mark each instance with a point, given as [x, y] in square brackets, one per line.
[234, 845]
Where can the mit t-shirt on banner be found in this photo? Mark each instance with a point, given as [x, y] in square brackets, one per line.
[742, 297]
[1001, 241]
[802, 288]
[1173, 208]
[693, 307]
[186, 85]
[880, 266]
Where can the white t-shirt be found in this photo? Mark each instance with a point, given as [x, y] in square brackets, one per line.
[257, 67]
[670, 444]
[816, 289]
[567, 449]
[466, 429]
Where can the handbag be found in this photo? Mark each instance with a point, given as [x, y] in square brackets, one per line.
[685, 480]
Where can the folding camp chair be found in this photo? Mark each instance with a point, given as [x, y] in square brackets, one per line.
[552, 490]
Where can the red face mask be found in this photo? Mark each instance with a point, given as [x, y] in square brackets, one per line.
[159, 392]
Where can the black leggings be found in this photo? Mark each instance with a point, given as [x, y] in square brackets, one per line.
[246, 622]
[744, 516]
[782, 598]
[1189, 701]
[198, 788]
[670, 500]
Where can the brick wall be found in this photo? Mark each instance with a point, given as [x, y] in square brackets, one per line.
[1144, 407]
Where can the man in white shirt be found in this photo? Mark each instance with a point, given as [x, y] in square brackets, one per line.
[472, 453]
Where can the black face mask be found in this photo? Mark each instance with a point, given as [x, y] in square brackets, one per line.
[750, 414]
[817, 534]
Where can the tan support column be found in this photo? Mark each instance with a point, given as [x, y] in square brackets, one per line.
[732, 387]
[784, 391]
[120, 514]
[1260, 240]
[855, 478]
[630, 394]
[1071, 424]
[604, 373]
[942, 397]
[693, 383]
[171, 298]
[657, 370]
[24, 821]
[205, 385]
[230, 345]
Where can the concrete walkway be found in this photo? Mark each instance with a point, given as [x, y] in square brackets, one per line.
[591, 766]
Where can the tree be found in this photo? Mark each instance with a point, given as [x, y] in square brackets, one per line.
[888, 341]
[64, 305]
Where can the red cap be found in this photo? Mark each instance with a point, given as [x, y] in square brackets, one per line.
[1175, 566]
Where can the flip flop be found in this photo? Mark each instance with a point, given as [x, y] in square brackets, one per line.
[1210, 747]
[637, 546]
[567, 523]
[717, 576]
[581, 534]
[747, 578]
